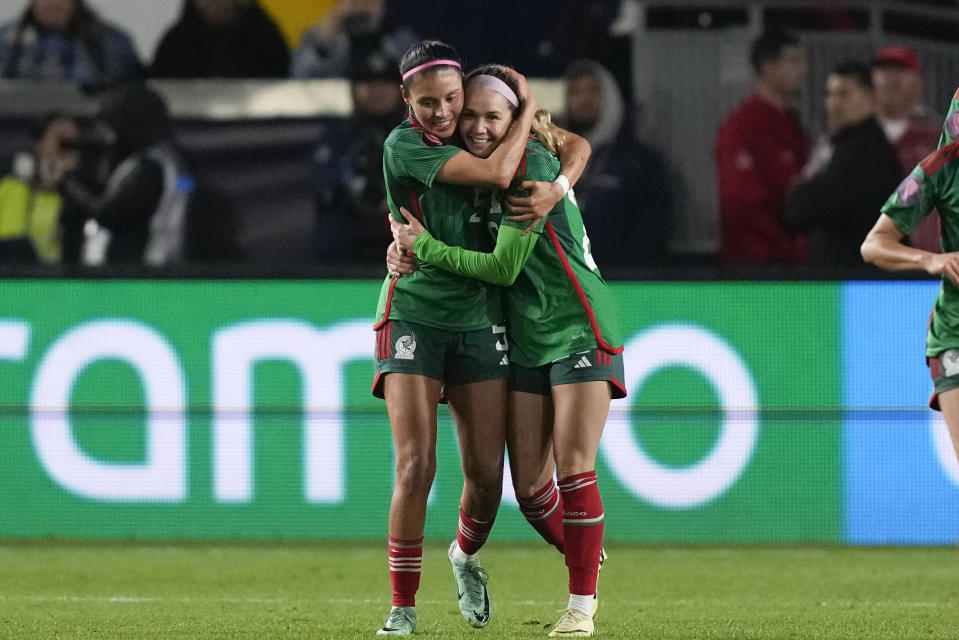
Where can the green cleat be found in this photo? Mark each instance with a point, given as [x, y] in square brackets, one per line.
[474, 601]
[400, 622]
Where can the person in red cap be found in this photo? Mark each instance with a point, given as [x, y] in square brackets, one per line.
[908, 124]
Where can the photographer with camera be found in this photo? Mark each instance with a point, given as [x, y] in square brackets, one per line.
[29, 202]
[350, 31]
[126, 200]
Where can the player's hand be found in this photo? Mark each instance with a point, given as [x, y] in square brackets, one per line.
[405, 234]
[542, 197]
[399, 262]
[945, 263]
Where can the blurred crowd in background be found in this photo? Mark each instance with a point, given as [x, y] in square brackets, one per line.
[117, 187]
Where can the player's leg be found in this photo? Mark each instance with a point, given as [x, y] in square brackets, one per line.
[411, 388]
[411, 403]
[581, 397]
[944, 371]
[479, 412]
[949, 404]
[476, 370]
[529, 441]
[581, 410]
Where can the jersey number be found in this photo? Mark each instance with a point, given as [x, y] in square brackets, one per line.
[587, 254]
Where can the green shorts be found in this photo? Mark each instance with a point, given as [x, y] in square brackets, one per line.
[586, 366]
[944, 370]
[452, 357]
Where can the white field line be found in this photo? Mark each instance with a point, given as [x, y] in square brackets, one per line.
[122, 599]
[135, 599]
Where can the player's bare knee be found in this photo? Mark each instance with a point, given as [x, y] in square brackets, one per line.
[415, 471]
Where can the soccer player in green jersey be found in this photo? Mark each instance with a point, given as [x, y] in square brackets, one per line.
[932, 185]
[564, 342]
[438, 332]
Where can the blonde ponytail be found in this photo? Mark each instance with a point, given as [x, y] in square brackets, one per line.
[549, 135]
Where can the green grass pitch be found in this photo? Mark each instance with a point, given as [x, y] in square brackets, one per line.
[106, 590]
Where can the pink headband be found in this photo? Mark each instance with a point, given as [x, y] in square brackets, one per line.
[497, 85]
[452, 63]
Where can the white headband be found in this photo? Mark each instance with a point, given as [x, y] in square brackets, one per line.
[492, 82]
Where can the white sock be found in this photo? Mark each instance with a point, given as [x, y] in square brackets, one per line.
[461, 557]
[583, 604]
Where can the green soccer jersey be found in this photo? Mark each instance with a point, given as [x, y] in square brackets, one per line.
[934, 185]
[558, 303]
[950, 130]
[431, 295]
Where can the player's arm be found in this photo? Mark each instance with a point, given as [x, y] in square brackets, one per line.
[884, 248]
[542, 196]
[502, 266]
[497, 170]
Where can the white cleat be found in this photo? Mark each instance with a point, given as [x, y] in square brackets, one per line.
[573, 624]
[400, 622]
[474, 601]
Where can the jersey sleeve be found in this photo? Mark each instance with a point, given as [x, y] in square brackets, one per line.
[950, 128]
[915, 198]
[501, 267]
[408, 156]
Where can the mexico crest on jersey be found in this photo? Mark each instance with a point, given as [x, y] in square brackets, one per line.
[405, 347]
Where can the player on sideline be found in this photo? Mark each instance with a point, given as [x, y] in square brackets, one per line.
[564, 337]
[933, 184]
[438, 332]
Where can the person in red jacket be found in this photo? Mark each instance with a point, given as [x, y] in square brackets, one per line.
[760, 150]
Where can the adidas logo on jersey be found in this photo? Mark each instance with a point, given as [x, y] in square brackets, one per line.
[583, 363]
[504, 361]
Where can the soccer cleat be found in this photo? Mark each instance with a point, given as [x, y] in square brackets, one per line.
[400, 622]
[602, 560]
[471, 590]
[573, 624]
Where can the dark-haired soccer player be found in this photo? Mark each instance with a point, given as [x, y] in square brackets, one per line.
[933, 184]
[439, 332]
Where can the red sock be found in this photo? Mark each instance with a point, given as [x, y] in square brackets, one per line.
[472, 534]
[544, 511]
[582, 530]
[406, 558]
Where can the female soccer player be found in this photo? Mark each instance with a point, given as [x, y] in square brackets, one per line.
[932, 185]
[564, 342]
[442, 333]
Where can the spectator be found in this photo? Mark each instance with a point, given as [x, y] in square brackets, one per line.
[909, 126]
[348, 167]
[126, 200]
[625, 189]
[29, 203]
[837, 206]
[222, 39]
[352, 29]
[65, 40]
[760, 150]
